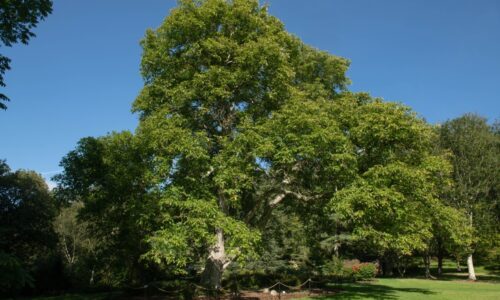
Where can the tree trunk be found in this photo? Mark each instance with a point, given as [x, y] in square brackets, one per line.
[336, 247]
[470, 263]
[427, 263]
[388, 266]
[440, 263]
[216, 264]
[91, 281]
[440, 255]
[470, 268]
[459, 268]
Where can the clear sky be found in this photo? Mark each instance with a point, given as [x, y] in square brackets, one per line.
[79, 76]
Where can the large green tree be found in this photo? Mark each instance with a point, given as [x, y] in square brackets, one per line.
[476, 171]
[17, 20]
[229, 112]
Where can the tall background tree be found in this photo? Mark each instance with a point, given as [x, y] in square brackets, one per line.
[476, 172]
[17, 20]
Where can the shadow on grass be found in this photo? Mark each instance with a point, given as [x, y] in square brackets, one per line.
[373, 291]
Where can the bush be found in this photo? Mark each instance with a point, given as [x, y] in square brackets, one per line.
[334, 267]
[349, 270]
[364, 271]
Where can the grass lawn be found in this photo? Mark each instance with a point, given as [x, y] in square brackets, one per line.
[452, 285]
[392, 288]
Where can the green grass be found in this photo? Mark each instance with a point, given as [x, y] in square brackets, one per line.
[392, 288]
[451, 285]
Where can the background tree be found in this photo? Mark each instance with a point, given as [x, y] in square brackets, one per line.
[26, 234]
[17, 20]
[476, 167]
[390, 203]
[76, 244]
[108, 177]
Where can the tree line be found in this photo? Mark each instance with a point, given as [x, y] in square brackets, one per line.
[253, 157]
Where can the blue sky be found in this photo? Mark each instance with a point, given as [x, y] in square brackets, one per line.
[79, 76]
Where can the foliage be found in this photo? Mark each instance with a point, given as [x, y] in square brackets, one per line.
[475, 146]
[26, 234]
[17, 20]
[12, 274]
[108, 176]
[475, 158]
[346, 270]
[390, 202]
[76, 245]
[333, 267]
[364, 271]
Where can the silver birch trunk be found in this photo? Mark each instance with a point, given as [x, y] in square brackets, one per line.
[470, 263]
[470, 268]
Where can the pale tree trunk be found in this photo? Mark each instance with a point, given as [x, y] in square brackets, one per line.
[470, 268]
[216, 263]
[470, 263]
[91, 281]
[459, 268]
[336, 247]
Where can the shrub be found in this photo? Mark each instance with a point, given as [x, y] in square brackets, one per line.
[364, 271]
[334, 267]
[349, 270]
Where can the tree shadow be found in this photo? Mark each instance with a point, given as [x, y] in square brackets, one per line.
[373, 291]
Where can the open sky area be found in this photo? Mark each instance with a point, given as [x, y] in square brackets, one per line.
[79, 76]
